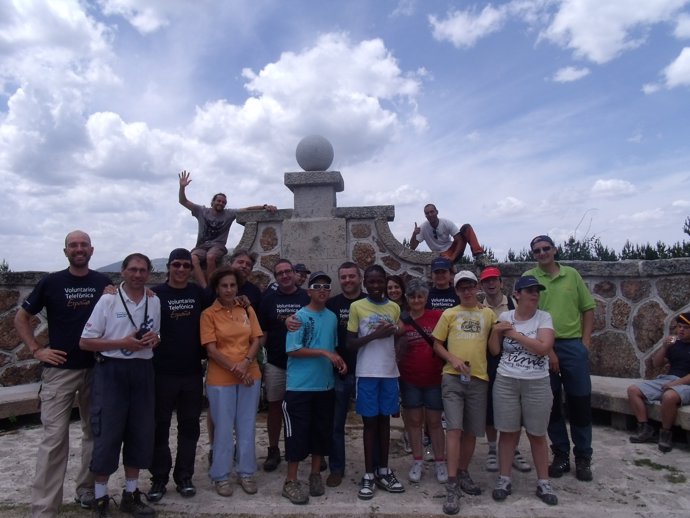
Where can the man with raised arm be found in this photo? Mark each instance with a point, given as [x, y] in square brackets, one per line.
[68, 296]
[214, 226]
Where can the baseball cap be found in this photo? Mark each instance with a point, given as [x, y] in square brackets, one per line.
[440, 263]
[541, 238]
[319, 275]
[180, 253]
[489, 272]
[301, 267]
[528, 281]
[464, 275]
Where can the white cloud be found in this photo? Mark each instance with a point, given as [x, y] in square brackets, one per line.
[680, 204]
[645, 216]
[682, 30]
[404, 8]
[508, 206]
[612, 188]
[464, 28]
[651, 88]
[678, 72]
[601, 30]
[569, 74]
[146, 19]
[402, 195]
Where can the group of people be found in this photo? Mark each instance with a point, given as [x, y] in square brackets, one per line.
[131, 356]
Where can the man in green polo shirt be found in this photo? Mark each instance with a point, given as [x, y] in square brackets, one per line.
[571, 306]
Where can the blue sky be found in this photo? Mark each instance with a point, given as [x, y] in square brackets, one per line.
[566, 117]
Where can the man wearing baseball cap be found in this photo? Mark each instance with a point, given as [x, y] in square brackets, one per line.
[302, 273]
[571, 306]
[442, 293]
[466, 328]
[494, 298]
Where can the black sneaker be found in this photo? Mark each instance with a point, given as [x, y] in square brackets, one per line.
[467, 484]
[272, 459]
[665, 440]
[131, 503]
[186, 488]
[156, 492]
[100, 507]
[366, 489]
[583, 469]
[503, 489]
[389, 482]
[546, 494]
[559, 465]
[86, 499]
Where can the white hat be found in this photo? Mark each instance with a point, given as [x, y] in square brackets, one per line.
[464, 275]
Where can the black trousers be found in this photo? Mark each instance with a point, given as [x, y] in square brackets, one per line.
[185, 395]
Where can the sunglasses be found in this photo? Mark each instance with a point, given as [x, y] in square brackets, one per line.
[435, 234]
[320, 287]
[543, 249]
[177, 264]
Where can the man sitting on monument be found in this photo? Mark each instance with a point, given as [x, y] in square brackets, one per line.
[442, 235]
[214, 226]
[672, 389]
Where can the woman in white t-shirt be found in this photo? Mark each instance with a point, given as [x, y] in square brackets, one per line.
[522, 391]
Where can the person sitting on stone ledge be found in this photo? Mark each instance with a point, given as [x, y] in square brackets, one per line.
[672, 389]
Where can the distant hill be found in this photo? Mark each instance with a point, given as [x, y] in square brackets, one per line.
[158, 266]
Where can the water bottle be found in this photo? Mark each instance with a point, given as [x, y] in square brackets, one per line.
[465, 378]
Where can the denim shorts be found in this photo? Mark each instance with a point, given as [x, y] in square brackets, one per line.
[414, 396]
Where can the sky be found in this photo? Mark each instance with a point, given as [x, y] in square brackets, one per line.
[522, 117]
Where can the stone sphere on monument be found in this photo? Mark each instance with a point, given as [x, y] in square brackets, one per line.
[314, 153]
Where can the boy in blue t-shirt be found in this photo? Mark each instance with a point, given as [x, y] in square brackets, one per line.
[371, 331]
[310, 396]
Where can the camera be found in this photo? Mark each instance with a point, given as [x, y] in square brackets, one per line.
[141, 332]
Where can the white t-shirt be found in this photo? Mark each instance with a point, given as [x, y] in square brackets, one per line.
[109, 320]
[516, 361]
[444, 235]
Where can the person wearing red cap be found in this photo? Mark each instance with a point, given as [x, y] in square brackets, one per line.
[494, 298]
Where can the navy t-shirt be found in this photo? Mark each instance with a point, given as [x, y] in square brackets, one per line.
[180, 351]
[68, 300]
[253, 293]
[340, 305]
[442, 298]
[678, 356]
[275, 307]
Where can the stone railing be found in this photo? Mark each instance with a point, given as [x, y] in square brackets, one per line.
[636, 300]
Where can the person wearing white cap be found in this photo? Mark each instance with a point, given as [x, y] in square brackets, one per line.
[466, 328]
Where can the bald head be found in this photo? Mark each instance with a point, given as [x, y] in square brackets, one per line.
[78, 235]
[78, 251]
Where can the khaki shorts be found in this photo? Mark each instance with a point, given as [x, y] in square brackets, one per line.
[519, 402]
[464, 405]
[274, 381]
[212, 248]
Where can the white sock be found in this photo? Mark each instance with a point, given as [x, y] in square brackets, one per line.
[131, 485]
[100, 490]
[384, 471]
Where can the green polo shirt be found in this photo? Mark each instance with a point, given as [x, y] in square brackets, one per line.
[566, 297]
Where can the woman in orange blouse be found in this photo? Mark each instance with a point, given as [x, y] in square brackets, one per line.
[231, 334]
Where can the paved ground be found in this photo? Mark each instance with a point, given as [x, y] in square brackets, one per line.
[629, 480]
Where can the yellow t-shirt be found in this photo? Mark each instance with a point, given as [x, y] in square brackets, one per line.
[231, 330]
[467, 331]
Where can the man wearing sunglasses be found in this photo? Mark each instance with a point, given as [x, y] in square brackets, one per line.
[571, 306]
[442, 235]
[179, 376]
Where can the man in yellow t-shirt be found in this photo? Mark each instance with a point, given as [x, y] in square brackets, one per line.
[466, 330]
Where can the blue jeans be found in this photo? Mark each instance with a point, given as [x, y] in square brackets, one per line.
[344, 390]
[573, 358]
[233, 409]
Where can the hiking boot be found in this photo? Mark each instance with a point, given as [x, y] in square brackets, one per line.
[415, 474]
[131, 503]
[559, 465]
[272, 459]
[156, 492]
[324, 465]
[441, 472]
[389, 482]
[665, 440]
[503, 489]
[86, 499]
[223, 487]
[100, 507]
[520, 463]
[366, 489]
[452, 503]
[316, 485]
[468, 485]
[334, 479]
[546, 494]
[583, 469]
[248, 485]
[293, 491]
[186, 488]
[645, 433]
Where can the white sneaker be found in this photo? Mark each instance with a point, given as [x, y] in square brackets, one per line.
[441, 472]
[415, 474]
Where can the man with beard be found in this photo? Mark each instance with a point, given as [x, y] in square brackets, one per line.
[68, 297]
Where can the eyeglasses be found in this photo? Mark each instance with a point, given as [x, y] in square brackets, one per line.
[177, 264]
[320, 287]
[465, 288]
[283, 272]
[543, 249]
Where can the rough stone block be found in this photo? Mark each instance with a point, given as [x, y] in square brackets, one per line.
[360, 230]
[605, 289]
[675, 292]
[600, 316]
[612, 354]
[364, 255]
[620, 314]
[648, 324]
[8, 299]
[635, 290]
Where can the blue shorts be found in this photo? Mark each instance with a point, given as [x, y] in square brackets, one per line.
[377, 396]
[414, 396]
[652, 391]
